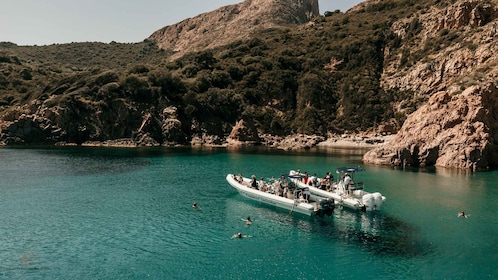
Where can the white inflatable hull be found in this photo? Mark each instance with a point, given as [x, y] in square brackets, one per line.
[292, 205]
[360, 201]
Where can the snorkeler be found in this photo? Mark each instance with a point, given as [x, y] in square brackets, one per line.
[248, 221]
[239, 235]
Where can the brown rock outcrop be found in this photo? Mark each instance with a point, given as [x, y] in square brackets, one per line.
[458, 131]
[244, 132]
[172, 127]
[292, 142]
[231, 23]
[81, 123]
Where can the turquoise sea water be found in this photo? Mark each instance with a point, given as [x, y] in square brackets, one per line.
[95, 213]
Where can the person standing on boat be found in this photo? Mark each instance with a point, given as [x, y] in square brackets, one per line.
[277, 186]
[299, 178]
[305, 177]
[306, 194]
[254, 182]
[313, 180]
[347, 181]
[285, 186]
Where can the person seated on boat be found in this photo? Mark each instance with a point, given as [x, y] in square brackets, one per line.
[323, 184]
[262, 185]
[254, 182]
[239, 235]
[239, 178]
[271, 188]
[272, 180]
[328, 181]
[285, 192]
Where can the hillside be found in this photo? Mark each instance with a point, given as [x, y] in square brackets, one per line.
[231, 23]
[366, 70]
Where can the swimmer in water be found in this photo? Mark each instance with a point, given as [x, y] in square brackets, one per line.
[248, 221]
[239, 235]
[462, 214]
[195, 206]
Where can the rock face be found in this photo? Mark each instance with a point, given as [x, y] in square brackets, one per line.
[231, 23]
[453, 129]
[80, 123]
[244, 132]
[450, 63]
[449, 131]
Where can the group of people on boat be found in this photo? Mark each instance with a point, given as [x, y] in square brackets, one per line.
[327, 182]
[279, 187]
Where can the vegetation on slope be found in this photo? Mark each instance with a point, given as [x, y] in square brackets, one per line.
[317, 78]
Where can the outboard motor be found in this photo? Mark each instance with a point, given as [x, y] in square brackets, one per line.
[378, 200]
[368, 202]
[326, 207]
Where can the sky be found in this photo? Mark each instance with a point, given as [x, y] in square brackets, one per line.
[46, 22]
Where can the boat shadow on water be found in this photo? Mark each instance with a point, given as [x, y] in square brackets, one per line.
[374, 232]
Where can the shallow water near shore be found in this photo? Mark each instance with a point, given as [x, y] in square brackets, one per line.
[109, 213]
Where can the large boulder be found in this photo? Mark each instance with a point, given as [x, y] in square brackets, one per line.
[172, 127]
[244, 132]
[456, 131]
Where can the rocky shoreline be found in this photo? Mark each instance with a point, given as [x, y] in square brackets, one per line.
[35, 125]
[288, 143]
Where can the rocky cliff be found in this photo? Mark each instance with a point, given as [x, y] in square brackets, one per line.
[457, 131]
[77, 121]
[444, 48]
[442, 51]
[231, 23]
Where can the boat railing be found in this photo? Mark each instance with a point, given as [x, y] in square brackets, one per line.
[357, 186]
